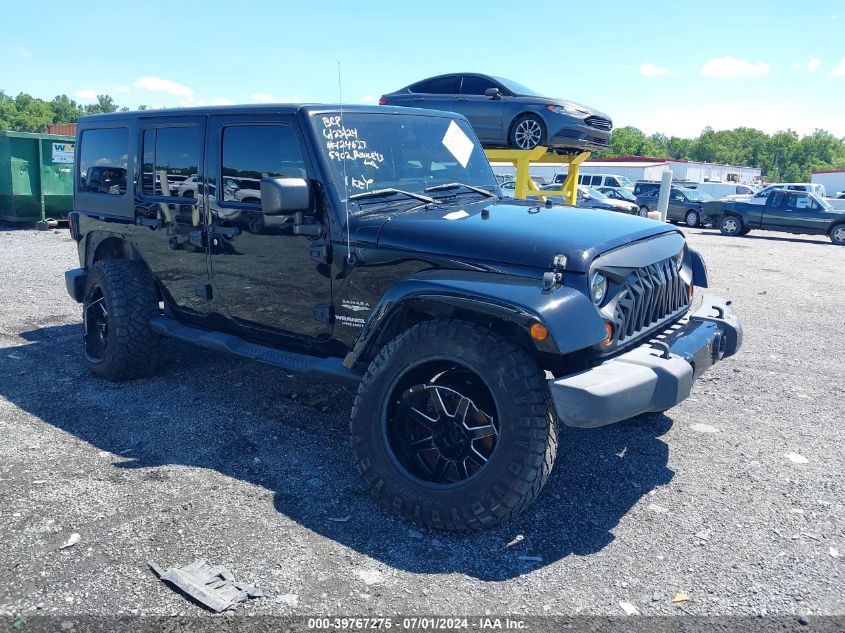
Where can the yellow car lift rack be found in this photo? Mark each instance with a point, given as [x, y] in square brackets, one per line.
[521, 159]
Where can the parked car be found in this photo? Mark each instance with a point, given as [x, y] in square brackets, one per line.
[509, 188]
[468, 325]
[188, 188]
[783, 210]
[504, 113]
[720, 189]
[761, 196]
[618, 193]
[590, 198]
[684, 204]
[597, 181]
[644, 186]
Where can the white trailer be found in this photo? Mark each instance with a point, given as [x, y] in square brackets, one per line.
[833, 181]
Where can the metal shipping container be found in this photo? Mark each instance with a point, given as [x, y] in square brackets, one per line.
[36, 176]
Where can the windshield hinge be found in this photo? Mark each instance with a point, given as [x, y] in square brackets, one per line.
[319, 252]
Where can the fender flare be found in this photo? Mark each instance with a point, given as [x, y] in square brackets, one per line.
[518, 301]
[699, 269]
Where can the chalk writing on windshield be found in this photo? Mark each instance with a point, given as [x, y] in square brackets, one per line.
[344, 144]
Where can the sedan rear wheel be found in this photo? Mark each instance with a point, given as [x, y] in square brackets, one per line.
[837, 235]
[692, 219]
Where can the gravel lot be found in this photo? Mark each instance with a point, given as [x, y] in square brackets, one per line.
[249, 467]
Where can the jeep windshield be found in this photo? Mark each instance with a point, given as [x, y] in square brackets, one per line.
[370, 152]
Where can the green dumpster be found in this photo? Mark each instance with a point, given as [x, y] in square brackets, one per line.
[36, 176]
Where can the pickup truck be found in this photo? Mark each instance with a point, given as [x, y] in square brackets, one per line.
[784, 210]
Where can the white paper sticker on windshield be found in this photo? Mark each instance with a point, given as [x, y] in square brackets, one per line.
[458, 143]
[456, 215]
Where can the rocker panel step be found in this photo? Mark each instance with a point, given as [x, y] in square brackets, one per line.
[329, 368]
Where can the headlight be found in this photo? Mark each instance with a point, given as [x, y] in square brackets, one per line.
[598, 288]
[566, 109]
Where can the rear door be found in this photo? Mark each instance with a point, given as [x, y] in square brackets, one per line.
[175, 248]
[484, 113]
[262, 273]
[440, 93]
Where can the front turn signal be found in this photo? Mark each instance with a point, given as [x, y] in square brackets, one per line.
[608, 328]
[539, 332]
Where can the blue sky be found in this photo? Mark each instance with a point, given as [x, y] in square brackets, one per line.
[674, 69]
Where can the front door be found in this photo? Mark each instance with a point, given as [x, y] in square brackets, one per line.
[484, 113]
[795, 212]
[262, 273]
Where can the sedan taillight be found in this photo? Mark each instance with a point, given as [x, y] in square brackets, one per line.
[382, 101]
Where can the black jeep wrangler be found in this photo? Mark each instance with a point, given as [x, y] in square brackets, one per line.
[371, 245]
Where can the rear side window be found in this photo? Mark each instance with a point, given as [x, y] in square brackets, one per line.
[171, 156]
[596, 180]
[253, 152]
[103, 157]
[776, 201]
[473, 85]
[612, 182]
[438, 86]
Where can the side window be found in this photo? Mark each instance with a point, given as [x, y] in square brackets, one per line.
[473, 85]
[171, 157]
[799, 201]
[777, 200]
[442, 85]
[677, 196]
[253, 152]
[597, 180]
[612, 182]
[103, 157]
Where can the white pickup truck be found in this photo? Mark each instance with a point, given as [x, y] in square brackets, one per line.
[761, 196]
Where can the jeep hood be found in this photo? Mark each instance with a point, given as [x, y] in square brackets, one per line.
[519, 233]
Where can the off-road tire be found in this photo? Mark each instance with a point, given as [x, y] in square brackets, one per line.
[730, 225]
[131, 299]
[527, 441]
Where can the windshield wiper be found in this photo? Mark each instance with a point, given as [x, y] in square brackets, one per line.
[458, 185]
[377, 193]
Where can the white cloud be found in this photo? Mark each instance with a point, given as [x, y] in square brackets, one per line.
[839, 71]
[157, 84]
[122, 89]
[22, 52]
[651, 70]
[811, 66]
[369, 99]
[262, 97]
[729, 67]
[88, 94]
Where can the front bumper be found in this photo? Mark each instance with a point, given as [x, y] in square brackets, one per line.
[75, 283]
[652, 377]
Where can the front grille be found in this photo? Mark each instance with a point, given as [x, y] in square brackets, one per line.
[600, 123]
[650, 296]
[599, 141]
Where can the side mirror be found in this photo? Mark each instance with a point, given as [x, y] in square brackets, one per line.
[285, 196]
[493, 93]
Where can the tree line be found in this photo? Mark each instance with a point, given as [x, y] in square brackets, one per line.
[26, 113]
[782, 156]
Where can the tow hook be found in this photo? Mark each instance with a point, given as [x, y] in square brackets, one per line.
[720, 343]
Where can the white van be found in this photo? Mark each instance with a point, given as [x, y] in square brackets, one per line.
[719, 189]
[599, 180]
